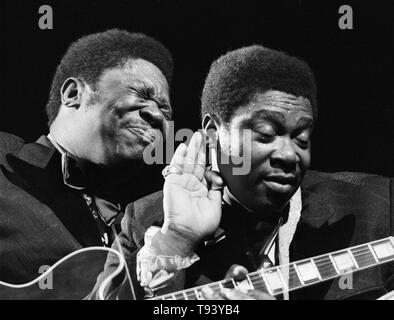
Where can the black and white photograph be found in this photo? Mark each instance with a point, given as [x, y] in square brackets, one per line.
[196, 150]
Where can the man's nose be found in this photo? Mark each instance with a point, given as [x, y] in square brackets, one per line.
[285, 154]
[152, 114]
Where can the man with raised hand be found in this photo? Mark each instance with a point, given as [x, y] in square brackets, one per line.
[265, 208]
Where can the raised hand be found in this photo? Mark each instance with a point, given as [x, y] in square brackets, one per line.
[192, 196]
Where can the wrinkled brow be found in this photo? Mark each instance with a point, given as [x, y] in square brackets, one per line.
[264, 115]
[275, 117]
[151, 91]
[270, 115]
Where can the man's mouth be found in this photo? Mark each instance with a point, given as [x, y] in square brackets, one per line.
[280, 183]
[143, 132]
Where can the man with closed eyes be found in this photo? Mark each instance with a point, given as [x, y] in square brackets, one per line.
[109, 99]
[207, 225]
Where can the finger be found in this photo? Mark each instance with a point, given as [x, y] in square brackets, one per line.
[205, 294]
[260, 295]
[217, 183]
[215, 196]
[236, 272]
[204, 182]
[232, 294]
[192, 153]
[208, 294]
[199, 168]
[214, 179]
[179, 155]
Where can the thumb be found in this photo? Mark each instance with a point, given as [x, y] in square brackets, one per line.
[216, 183]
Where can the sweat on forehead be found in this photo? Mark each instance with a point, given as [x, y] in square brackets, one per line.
[235, 78]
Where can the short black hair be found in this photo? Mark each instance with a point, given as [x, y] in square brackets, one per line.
[235, 78]
[88, 57]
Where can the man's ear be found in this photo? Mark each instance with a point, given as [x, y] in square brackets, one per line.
[71, 92]
[210, 128]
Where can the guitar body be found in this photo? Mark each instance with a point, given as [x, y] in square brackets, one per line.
[71, 278]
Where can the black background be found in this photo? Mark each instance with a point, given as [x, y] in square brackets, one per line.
[354, 68]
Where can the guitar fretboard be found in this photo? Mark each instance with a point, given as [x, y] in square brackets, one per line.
[302, 273]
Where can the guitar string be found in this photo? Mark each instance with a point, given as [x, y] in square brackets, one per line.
[256, 280]
[328, 263]
[325, 267]
[257, 274]
[293, 272]
[297, 278]
[134, 297]
[294, 283]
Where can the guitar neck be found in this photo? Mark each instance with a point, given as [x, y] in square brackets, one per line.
[302, 273]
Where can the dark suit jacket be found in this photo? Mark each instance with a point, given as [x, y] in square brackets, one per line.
[339, 210]
[41, 220]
